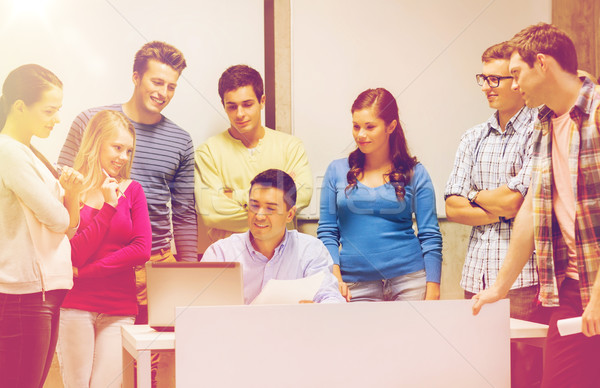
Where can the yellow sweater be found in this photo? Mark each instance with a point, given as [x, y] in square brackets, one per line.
[223, 164]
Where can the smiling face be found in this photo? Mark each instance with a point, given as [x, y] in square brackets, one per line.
[528, 81]
[116, 151]
[244, 109]
[370, 132]
[41, 116]
[155, 88]
[503, 98]
[268, 214]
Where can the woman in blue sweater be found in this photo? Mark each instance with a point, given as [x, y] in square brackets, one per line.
[367, 206]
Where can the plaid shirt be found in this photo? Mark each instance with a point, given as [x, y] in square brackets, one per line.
[488, 158]
[584, 164]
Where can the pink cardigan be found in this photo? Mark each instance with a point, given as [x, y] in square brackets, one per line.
[108, 244]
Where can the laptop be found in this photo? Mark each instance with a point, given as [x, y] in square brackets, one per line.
[180, 284]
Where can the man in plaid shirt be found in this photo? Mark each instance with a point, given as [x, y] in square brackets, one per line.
[490, 178]
[560, 215]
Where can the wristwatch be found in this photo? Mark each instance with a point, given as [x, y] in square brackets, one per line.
[472, 196]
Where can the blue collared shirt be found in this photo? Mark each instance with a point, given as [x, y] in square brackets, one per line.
[298, 256]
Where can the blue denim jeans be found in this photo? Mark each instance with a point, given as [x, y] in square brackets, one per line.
[28, 334]
[411, 286]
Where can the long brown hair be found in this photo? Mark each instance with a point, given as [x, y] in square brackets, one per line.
[385, 107]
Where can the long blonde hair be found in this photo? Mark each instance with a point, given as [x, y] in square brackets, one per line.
[100, 129]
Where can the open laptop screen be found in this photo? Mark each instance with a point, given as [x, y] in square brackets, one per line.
[171, 285]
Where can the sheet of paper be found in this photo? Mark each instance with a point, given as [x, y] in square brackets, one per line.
[290, 291]
[569, 326]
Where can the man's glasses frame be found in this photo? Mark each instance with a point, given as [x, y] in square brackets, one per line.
[492, 80]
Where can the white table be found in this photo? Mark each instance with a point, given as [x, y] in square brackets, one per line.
[531, 333]
[140, 340]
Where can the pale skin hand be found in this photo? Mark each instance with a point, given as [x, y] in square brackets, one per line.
[460, 210]
[501, 201]
[304, 301]
[344, 290]
[110, 191]
[489, 205]
[433, 291]
[72, 181]
[590, 320]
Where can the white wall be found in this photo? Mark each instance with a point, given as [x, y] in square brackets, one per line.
[425, 52]
[90, 45]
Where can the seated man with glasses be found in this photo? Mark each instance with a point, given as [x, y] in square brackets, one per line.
[488, 183]
[268, 250]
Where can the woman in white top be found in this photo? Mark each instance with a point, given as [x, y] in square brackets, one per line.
[36, 212]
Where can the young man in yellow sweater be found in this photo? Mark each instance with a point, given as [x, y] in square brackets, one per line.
[227, 162]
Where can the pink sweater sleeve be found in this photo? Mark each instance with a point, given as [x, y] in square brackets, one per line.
[139, 248]
[87, 241]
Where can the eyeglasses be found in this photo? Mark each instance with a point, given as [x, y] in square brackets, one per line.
[492, 80]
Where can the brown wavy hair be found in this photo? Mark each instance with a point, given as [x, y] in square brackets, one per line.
[385, 107]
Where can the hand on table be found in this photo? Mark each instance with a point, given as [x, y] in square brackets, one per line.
[490, 295]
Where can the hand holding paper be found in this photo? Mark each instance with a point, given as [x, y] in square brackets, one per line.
[290, 291]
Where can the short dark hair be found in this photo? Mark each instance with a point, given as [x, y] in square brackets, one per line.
[498, 51]
[238, 76]
[544, 38]
[279, 180]
[159, 51]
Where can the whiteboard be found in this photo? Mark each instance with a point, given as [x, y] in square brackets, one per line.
[90, 46]
[425, 52]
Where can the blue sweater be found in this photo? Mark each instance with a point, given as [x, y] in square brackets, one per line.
[375, 230]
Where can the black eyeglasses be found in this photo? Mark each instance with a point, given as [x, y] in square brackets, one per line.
[492, 80]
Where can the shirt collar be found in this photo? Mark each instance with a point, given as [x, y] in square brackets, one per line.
[257, 255]
[514, 124]
[583, 103]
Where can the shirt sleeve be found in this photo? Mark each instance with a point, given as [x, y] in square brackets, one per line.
[522, 180]
[139, 248]
[297, 166]
[459, 182]
[88, 240]
[73, 140]
[20, 174]
[428, 230]
[185, 227]
[321, 262]
[213, 254]
[215, 208]
[328, 231]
